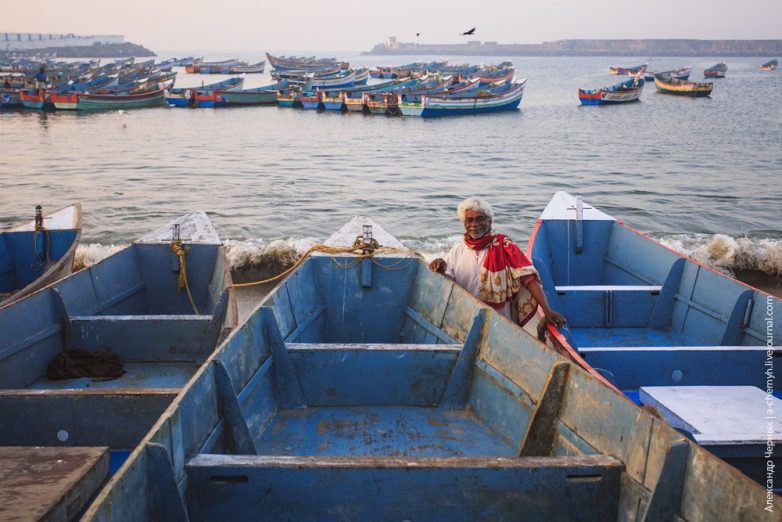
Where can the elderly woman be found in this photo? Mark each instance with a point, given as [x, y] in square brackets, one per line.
[493, 268]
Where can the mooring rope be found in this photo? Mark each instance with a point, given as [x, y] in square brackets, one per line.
[181, 251]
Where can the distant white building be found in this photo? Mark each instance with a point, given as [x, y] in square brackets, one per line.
[26, 41]
[391, 43]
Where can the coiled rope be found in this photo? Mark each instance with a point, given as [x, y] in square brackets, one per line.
[181, 251]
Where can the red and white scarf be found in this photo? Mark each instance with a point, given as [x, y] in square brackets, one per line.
[505, 273]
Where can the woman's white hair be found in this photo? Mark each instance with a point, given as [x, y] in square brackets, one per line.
[474, 203]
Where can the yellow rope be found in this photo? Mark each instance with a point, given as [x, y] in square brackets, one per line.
[359, 249]
[181, 251]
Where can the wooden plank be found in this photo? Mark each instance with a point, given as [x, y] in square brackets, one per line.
[539, 438]
[458, 489]
[49, 484]
[457, 391]
[165, 496]
[287, 389]
[666, 498]
[241, 440]
[429, 327]
[611, 288]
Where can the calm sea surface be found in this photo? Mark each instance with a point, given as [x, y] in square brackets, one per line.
[682, 169]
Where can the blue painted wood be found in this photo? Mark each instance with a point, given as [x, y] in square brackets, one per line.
[366, 273]
[679, 366]
[287, 389]
[280, 488]
[23, 260]
[733, 327]
[240, 440]
[360, 374]
[457, 391]
[143, 338]
[539, 437]
[666, 500]
[170, 506]
[116, 418]
[662, 311]
[427, 327]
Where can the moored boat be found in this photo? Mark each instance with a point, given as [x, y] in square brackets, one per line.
[37, 253]
[265, 95]
[628, 71]
[716, 71]
[622, 92]
[104, 102]
[667, 331]
[185, 96]
[667, 84]
[375, 389]
[770, 65]
[94, 359]
[437, 105]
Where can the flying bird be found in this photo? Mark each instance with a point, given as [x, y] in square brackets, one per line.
[418, 34]
[469, 33]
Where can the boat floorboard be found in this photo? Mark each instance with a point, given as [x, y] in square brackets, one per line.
[381, 431]
[621, 337]
[137, 375]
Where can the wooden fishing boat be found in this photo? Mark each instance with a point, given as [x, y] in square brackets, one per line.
[33, 98]
[265, 95]
[94, 359]
[295, 63]
[254, 68]
[106, 102]
[312, 100]
[355, 101]
[622, 92]
[487, 77]
[769, 65]
[342, 79]
[435, 105]
[716, 71]
[628, 71]
[388, 102]
[185, 96]
[667, 84]
[374, 389]
[289, 97]
[665, 330]
[37, 253]
[10, 98]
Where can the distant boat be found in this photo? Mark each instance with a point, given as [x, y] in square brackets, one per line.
[103, 102]
[770, 65]
[36, 253]
[295, 63]
[265, 95]
[628, 71]
[716, 71]
[667, 84]
[622, 92]
[185, 96]
[437, 105]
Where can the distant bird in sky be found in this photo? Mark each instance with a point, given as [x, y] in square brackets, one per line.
[469, 33]
[418, 34]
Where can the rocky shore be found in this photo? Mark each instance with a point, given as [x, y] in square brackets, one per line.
[98, 50]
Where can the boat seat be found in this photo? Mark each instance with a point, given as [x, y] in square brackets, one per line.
[542, 488]
[627, 306]
[633, 366]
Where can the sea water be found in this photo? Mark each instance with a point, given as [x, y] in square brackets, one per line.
[702, 175]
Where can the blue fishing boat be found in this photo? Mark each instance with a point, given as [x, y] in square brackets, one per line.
[185, 96]
[264, 95]
[665, 330]
[622, 92]
[37, 253]
[366, 387]
[716, 71]
[94, 359]
[505, 97]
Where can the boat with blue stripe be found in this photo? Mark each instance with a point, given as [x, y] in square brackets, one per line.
[623, 92]
[667, 331]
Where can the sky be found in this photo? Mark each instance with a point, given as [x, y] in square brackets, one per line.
[356, 25]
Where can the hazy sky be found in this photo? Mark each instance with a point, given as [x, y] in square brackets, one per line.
[358, 25]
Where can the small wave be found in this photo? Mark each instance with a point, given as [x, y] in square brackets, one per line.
[87, 254]
[730, 254]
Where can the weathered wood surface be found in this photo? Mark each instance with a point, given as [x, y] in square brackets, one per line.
[49, 484]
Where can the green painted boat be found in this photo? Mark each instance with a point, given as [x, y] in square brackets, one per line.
[107, 102]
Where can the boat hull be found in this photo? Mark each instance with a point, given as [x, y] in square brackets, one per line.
[90, 102]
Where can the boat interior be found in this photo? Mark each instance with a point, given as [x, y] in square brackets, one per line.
[129, 305]
[639, 311]
[26, 255]
[376, 389]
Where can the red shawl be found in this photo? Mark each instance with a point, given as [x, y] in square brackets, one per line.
[505, 271]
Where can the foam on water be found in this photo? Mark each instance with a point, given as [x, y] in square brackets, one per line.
[271, 256]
